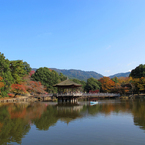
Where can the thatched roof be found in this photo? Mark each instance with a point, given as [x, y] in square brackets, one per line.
[67, 83]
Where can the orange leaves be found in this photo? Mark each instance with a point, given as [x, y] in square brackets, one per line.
[107, 84]
[1, 83]
[18, 88]
[1, 78]
[125, 80]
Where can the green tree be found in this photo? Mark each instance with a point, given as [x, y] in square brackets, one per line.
[62, 77]
[47, 77]
[138, 72]
[115, 79]
[27, 67]
[83, 83]
[18, 70]
[5, 73]
[92, 84]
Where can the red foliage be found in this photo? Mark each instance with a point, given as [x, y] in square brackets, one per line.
[18, 88]
[10, 95]
[35, 87]
[31, 73]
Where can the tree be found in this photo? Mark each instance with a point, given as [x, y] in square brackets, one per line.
[139, 84]
[18, 70]
[92, 84]
[83, 83]
[5, 73]
[106, 84]
[27, 67]
[115, 79]
[31, 73]
[62, 77]
[18, 89]
[1, 83]
[35, 87]
[138, 72]
[47, 77]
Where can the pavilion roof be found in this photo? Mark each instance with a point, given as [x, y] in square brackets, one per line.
[67, 83]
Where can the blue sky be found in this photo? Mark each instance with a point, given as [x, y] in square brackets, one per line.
[105, 36]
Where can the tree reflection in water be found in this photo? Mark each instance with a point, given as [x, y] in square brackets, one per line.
[139, 113]
[11, 130]
[16, 119]
[47, 119]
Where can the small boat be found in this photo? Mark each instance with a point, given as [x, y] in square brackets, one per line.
[93, 103]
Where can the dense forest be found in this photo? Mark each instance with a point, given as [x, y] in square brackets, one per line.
[17, 78]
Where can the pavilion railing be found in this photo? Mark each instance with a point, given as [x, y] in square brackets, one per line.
[69, 94]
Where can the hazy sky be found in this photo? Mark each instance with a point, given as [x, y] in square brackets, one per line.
[106, 36]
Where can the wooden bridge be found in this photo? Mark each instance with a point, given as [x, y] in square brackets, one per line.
[100, 95]
[96, 96]
[89, 96]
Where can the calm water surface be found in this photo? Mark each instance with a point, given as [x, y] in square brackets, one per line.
[110, 122]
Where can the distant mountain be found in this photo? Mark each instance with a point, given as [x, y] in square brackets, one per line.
[120, 75]
[78, 74]
[84, 75]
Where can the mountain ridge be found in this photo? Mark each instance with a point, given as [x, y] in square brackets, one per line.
[84, 75]
[120, 75]
[78, 74]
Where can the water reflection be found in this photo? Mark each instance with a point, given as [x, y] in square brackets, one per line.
[16, 119]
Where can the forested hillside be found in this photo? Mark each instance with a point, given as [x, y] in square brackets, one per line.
[84, 75]
[120, 75]
[78, 74]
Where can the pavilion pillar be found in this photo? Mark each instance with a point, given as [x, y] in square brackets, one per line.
[73, 100]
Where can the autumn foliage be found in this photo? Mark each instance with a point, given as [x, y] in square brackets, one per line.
[31, 73]
[35, 87]
[18, 89]
[106, 84]
[1, 83]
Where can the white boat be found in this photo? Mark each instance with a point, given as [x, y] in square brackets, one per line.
[93, 103]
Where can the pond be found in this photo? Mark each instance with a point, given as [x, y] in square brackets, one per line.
[110, 122]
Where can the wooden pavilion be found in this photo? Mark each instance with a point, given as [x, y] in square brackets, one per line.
[68, 91]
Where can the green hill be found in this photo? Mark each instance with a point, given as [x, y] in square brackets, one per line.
[78, 74]
[84, 75]
[120, 75]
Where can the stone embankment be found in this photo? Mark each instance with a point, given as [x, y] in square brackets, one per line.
[27, 99]
[18, 99]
